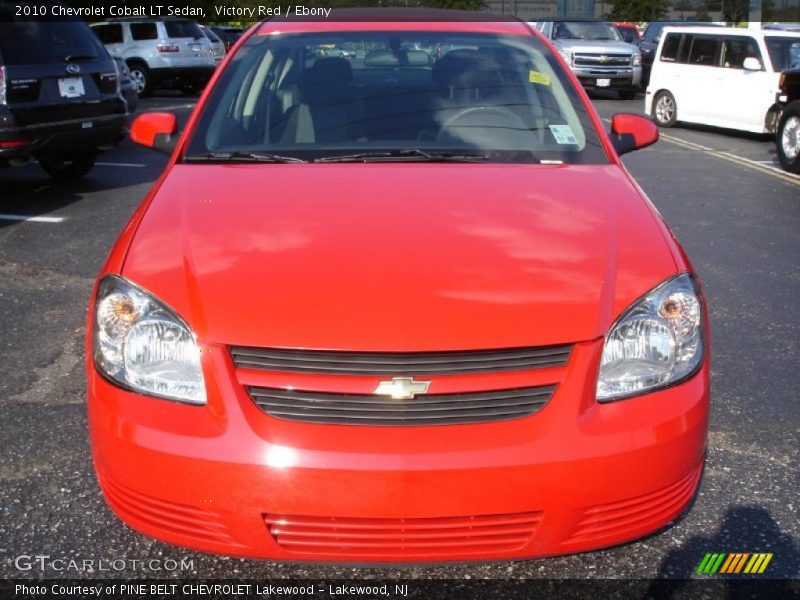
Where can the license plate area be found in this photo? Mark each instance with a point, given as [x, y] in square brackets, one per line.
[603, 82]
[71, 87]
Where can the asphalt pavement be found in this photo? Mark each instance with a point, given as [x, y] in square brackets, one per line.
[736, 214]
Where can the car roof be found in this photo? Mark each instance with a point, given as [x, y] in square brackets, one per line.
[730, 31]
[400, 19]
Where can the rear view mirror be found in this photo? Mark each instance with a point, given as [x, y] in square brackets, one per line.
[632, 132]
[156, 130]
[751, 64]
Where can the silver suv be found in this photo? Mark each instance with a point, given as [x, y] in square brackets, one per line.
[596, 54]
[160, 52]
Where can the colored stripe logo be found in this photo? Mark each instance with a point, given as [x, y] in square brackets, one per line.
[731, 563]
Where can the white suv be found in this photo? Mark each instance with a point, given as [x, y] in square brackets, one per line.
[160, 52]
[724, 77]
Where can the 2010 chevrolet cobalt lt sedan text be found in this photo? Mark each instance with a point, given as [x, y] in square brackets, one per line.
[400, 302]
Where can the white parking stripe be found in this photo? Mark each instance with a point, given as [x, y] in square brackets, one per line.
[31, 218]
[108, 164]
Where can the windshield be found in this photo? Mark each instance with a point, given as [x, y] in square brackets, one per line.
[585, 30]
[318, 96]
[43, 42]
[784, 52]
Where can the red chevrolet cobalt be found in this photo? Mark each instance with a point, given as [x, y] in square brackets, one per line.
[395, 298]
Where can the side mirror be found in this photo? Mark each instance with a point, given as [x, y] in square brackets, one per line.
[751, 64]
[632, 132]
[156, 130]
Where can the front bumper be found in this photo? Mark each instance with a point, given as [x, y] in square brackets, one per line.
[626, 78]
[230, 479]
[62, 137]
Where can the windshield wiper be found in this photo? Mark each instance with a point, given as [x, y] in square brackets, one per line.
[74, 57]
[243, 157]
[412, 155]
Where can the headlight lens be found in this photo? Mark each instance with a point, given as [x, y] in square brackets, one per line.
[657, 342]
[567, 56]
[637, 59]
[143, 345]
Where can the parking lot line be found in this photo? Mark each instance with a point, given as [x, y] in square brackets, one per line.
[31, 218]
[113, 164]
[765, 169]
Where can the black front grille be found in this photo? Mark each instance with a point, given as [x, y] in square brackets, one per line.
[400, 363]
[429, 409]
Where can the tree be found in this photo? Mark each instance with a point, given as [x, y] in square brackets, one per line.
[735, 11]
[637, 11]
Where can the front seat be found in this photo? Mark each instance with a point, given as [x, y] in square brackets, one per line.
[328, 111]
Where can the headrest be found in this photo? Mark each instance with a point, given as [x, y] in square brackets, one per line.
[331, 69]
[466, 68]
[404, 58]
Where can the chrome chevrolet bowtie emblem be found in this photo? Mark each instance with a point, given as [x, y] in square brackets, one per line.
[603, 58]
[402, 388]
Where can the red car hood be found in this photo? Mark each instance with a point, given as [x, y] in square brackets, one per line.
[399, 256]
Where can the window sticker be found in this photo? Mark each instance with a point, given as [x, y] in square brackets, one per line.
[563, 134]
[540, 78]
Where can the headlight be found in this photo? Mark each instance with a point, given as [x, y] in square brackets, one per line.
[657, 342]
[636, 60]
[141, 344]
[567, 56]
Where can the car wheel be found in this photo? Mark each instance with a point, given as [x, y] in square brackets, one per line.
[788, 138]
[68, 167]
[627, 94]
[665, 111]
[140, 77]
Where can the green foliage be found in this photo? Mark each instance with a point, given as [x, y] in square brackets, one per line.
[637, 11]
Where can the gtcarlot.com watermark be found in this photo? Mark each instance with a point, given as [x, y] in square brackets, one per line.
[56, 564]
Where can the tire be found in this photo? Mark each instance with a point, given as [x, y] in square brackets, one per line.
[665, 109]
[68, 168]
[787, 138]
[627, 94]
[140, 77]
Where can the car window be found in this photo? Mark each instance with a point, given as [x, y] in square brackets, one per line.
[703, 50]
[45, 42]
[144, 31]
[736, 49]
[669, 51]
[183, 29]
[506, 97]
[585, 30]
[627, 34]
[784, 52]
[109, 34]
[652, 32]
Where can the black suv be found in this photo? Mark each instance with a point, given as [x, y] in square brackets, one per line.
[60, 99]
[787, 138]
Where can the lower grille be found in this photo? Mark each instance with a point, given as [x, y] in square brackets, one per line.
[389, 538]
[168, 517]
[370, 409]
[619, 518]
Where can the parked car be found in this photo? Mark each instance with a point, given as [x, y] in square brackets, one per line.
[218, 49]
[262, 382]
[629, 33]
[651, 37]
[60, 100]
[126, 87]
[724, 77]
[787, 136]
[596, 54]
[229, 35]
[160, 52]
